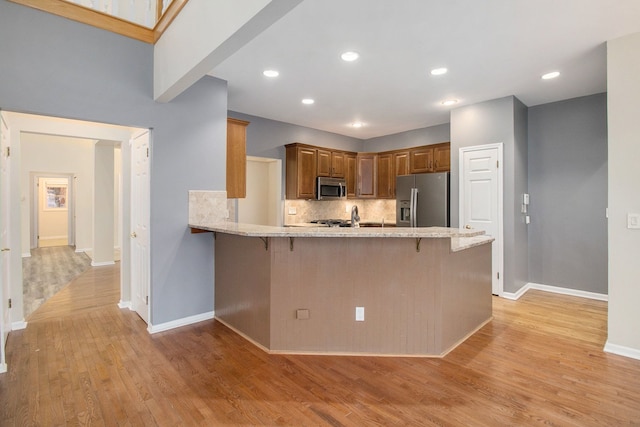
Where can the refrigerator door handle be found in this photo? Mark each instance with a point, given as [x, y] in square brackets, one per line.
[413, 208]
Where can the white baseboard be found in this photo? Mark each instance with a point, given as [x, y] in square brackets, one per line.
[124, 304]
[52, 237]
[101, 264]
[26, 255]
[555, 290]
[620, 350]
[79, 250]
[17, 326]
[3, 368]
[180, 322]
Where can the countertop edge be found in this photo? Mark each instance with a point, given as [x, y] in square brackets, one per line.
[253, 230]
[462, 243]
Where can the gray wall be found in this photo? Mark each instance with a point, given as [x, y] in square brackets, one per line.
[495, 121]
[568, 187]
[412, 138]
[266, 138]
[53, 66]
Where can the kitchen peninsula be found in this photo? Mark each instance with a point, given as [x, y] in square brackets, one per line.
[420, 291]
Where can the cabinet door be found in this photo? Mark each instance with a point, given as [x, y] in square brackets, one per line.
[324, 163]
[366, 164]
[401, 163]
[337, 164]
[386, 178]
[351, 172]
[306, 173]
[236, 158]
[421, 160]
[442, 158]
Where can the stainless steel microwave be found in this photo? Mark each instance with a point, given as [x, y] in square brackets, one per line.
[331, 188]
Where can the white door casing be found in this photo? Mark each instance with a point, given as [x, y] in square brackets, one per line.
[140, 224]
[5, 262]
[263, 201]
[481, 200]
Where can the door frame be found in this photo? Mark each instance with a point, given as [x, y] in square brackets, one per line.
[497, 284]
[35, 205]
[275, 204]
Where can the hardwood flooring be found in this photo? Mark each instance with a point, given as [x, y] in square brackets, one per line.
[48, 270]
[84, 361]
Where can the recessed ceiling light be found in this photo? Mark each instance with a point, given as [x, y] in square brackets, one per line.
[349, 56]
[449, 102]
[439, 71]
[357, 124]
[551, 75]
[308, 101]
[271, 73]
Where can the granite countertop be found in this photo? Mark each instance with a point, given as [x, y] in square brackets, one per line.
[460, 238]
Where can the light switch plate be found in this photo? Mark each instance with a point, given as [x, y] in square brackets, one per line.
[292, 211]
[633, 220]
[360, 314]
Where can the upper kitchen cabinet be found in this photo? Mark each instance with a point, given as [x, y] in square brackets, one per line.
[236, 158]
[442, 158]
[330, 163]
[386, 178]
[351, 172]
[401, 162]
[301, 171]
[430, 158]
[366, 167]
[421, 160]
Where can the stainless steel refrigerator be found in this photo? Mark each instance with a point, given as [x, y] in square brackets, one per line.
[422, 200]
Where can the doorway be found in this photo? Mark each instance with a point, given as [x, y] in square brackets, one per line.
[481, 200]
[52, 210]
[263, 202]
[21, 127]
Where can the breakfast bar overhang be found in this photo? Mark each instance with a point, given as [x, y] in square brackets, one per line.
[420, 291]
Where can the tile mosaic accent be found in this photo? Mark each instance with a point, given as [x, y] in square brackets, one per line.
[208, 207]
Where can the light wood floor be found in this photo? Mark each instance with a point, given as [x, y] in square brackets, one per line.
[83, 361]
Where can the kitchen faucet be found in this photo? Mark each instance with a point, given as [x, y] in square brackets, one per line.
[355, 218]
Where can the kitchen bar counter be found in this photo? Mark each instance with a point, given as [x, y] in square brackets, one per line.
[460, 238]
[296, 290]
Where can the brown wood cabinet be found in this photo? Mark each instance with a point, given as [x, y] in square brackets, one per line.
[386, 178]
[430, 158]
[301, 171]
[366, 167]
[401, 163]
[421, 160]
[442, 158]
[236, 158]
[337, 164]
[368, 175]
[351, 173]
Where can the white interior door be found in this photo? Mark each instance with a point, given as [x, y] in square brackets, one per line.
[140, 225]
[5, 314]
[481, 199]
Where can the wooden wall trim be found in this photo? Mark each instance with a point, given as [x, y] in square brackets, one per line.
[105, 21]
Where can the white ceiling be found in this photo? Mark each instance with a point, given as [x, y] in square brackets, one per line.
[492, 48]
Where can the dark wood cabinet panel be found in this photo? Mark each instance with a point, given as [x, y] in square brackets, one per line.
[236, 158]
[301, 172]
[366, 165]
[337, 164]
[401, 163]
[385, 176]
[324, 162]
[421, 160]
[351, 174]
[442, 158]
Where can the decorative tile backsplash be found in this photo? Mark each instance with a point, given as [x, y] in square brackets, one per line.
[207, 207]
[369, 210]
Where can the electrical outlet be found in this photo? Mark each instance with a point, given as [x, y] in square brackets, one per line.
[633, 220]
[292, 210]
[360, 314]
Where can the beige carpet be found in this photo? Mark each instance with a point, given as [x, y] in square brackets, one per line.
[47, 271]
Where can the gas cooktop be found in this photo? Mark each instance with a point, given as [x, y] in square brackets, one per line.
[332, 222]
